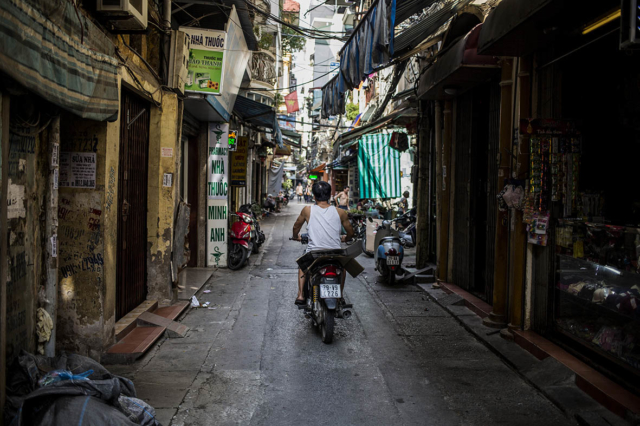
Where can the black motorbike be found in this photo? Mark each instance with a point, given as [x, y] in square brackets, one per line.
[257, 236]
[323, 271]
[407, 228]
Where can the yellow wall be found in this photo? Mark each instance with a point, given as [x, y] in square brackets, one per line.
[164, 134]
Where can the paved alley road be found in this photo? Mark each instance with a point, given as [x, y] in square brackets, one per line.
[400, 360]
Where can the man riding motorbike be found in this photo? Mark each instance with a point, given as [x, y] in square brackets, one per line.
[324, 223]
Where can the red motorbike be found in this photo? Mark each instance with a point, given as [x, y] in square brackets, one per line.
[241, 244]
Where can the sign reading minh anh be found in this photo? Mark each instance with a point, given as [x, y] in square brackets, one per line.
[206, 58]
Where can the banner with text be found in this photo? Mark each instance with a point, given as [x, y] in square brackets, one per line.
[217, 194]
[239, 162]
[206, 59]
[218, 185]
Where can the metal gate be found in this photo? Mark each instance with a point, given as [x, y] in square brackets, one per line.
[462, 217]
[492, 188]
[131, 278]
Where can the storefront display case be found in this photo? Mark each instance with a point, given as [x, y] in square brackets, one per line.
[597, 303]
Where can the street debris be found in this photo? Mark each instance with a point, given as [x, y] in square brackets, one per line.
[194, 302]
[207, 291]
[206, 304]
[51, 391]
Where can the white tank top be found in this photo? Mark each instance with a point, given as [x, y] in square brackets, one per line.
[324, 228]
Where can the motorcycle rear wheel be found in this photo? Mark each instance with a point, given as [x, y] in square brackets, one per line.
[237, 257]
[327, 326]
[387, 274]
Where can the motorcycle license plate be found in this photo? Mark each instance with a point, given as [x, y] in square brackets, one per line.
[330, 291]
[393, 260]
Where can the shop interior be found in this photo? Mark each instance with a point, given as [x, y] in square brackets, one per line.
[595, 209]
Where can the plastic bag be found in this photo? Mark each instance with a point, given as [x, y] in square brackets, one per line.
[60, 375]
[194, 302]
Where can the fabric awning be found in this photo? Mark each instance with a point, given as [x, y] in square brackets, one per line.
[379, 168]
[517, 28]
[318, 169]
[291, 138]
[459, 69]
[290, 141]
[369, 47]
[53, 61]
[258, 114]
[372, 127]
[373, 45]
[508, 28]
[427, 26]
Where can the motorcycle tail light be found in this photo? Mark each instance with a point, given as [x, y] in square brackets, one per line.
[391, 252]
[330, 271]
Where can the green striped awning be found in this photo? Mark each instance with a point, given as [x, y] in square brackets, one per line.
[59, 54]
[379, 167]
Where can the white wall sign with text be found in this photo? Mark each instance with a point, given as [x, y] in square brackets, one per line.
[77, 170]
[217, 195]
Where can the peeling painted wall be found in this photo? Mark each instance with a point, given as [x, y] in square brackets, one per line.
[164, 155]
[86, 234]
[26, 194]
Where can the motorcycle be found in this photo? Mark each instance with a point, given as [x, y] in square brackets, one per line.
[407, 232]
[388, 251]
[359, 225]
[257, 236]
[323, 272]
[241, 244]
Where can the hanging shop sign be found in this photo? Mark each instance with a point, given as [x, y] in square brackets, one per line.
[217, 195]
[239, 162]
[206, 60]
[218, 184]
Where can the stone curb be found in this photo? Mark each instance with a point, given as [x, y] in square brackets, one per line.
[552, 379]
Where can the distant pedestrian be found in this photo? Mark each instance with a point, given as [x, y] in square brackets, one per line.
[403, 204]
[299, 191]
[342, 199]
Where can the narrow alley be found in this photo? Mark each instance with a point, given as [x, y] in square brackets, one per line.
[401, 359]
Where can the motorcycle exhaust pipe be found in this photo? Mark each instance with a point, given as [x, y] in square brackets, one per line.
[346, 314]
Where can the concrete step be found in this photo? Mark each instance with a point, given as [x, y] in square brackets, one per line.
[424, 279]
[172, 312]
[133, 345]
[128, 322]
[174, 329]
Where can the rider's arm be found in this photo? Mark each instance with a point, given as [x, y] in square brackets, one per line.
[346, 223]
[299, 222]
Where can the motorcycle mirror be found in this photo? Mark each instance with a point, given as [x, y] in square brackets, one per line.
[370, 220]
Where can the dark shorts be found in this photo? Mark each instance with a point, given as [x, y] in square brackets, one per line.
[343, 207]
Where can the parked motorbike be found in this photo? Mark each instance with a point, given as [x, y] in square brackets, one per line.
[323, 271]
[257, 236]
[241, 243]
[388, 251]
[407, 225]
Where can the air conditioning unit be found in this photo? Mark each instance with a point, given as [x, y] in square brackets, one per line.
[125, 15]
[178, 65]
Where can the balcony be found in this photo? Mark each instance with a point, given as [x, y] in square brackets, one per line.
[263, 67]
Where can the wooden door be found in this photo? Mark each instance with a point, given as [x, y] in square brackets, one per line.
[131, 279]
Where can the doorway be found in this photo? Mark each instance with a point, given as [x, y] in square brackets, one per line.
[192, 199]
[131, 263]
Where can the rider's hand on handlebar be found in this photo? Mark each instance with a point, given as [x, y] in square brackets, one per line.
[295, 238]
